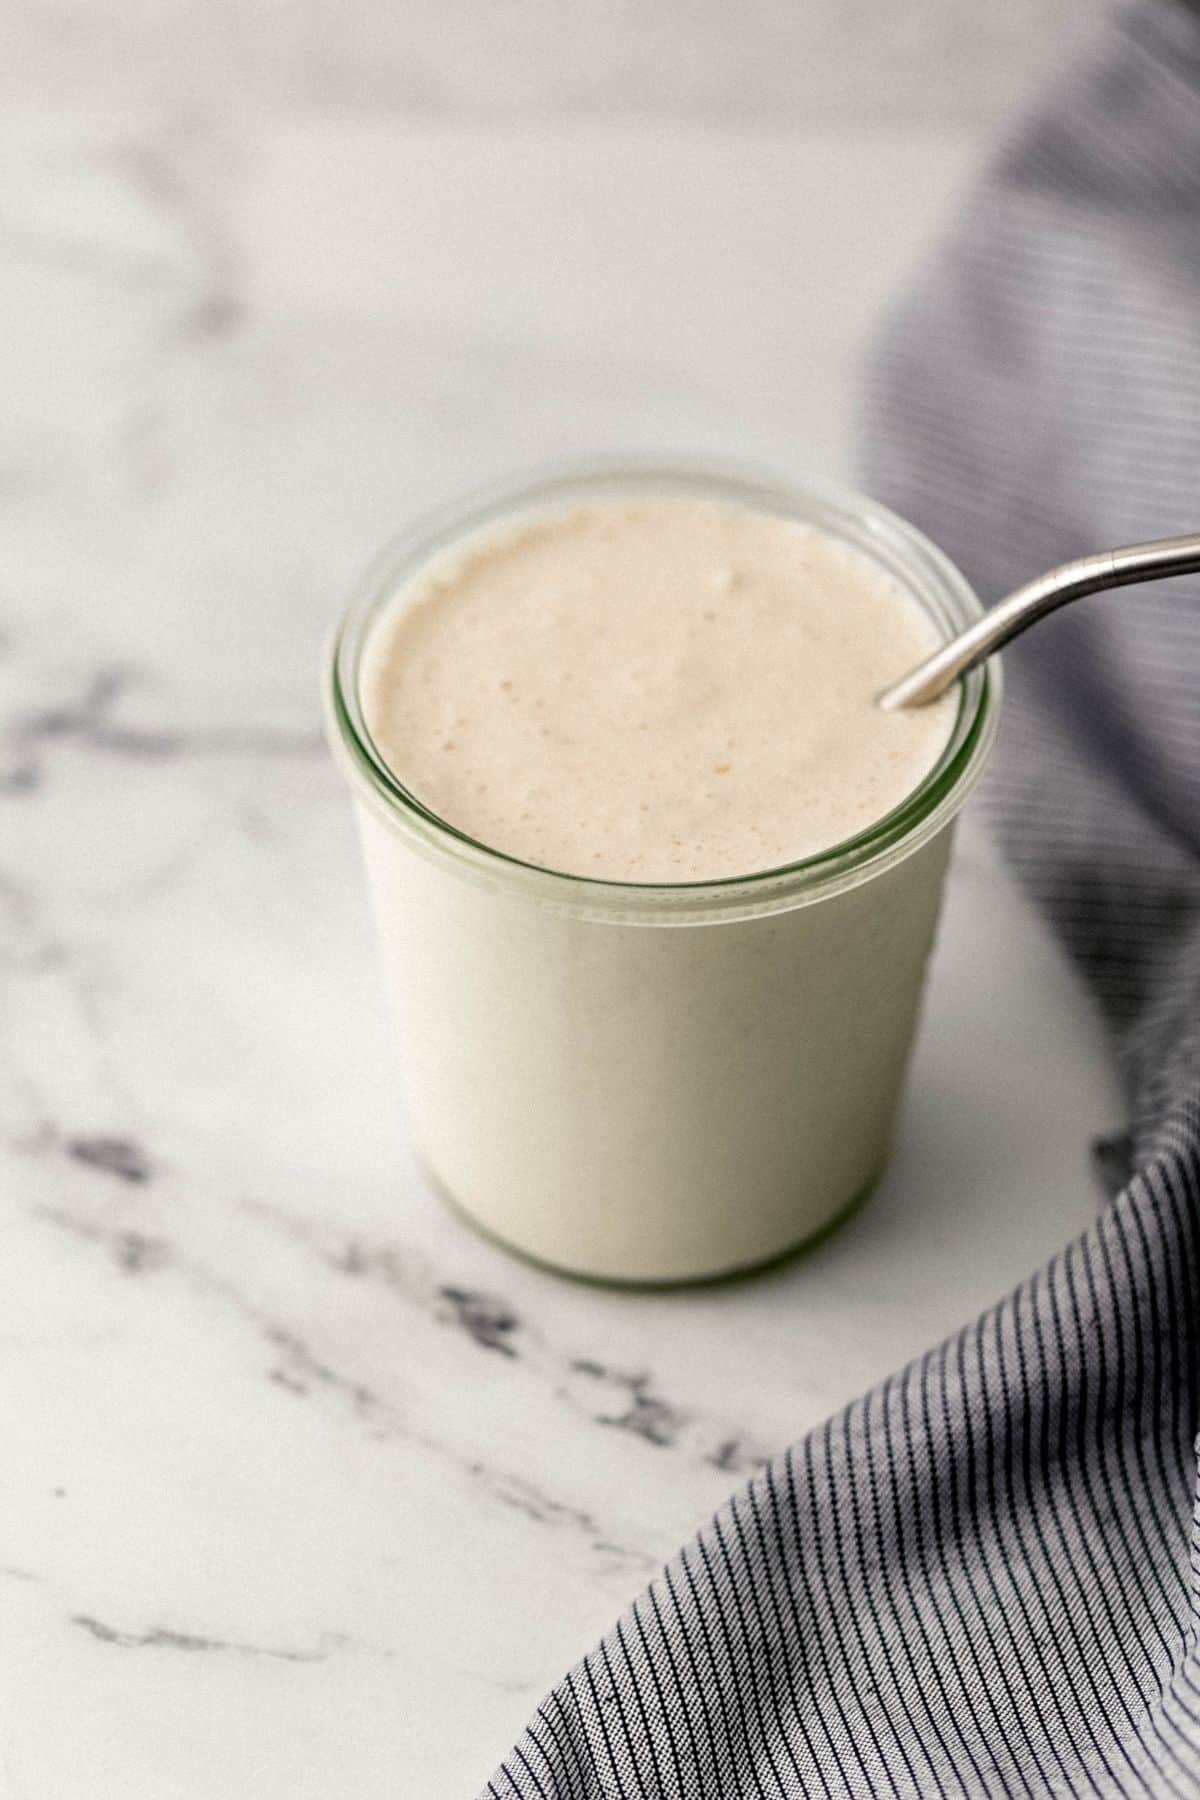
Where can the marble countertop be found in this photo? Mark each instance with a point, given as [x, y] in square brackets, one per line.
[307, 1491]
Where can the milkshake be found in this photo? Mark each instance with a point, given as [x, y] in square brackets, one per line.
[655, 878]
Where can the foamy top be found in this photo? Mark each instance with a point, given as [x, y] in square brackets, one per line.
[656, 691]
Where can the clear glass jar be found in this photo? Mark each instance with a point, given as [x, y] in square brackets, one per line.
[656, 1083]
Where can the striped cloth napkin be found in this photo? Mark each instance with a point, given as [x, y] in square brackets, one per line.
[984, 1576]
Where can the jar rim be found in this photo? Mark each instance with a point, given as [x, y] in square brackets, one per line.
[912, 560]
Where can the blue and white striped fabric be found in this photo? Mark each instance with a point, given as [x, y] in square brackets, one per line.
[983, 1578]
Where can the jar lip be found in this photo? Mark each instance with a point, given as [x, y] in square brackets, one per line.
[905, 552]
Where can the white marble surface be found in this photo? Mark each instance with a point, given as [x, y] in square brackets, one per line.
[305, 1490]
[792, 61]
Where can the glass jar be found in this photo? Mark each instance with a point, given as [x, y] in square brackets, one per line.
[656, 1083]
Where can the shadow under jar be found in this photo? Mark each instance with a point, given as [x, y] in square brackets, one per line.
[656, 1083]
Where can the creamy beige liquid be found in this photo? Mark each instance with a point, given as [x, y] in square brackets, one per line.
[664, 690]
[661, 691]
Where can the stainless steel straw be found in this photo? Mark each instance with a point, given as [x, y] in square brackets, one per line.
[1004, 621]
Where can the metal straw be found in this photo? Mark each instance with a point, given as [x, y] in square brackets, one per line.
[1009, 617]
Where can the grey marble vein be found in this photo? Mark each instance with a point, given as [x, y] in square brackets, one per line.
[165, 1637]
[300, 1371]
[133, 1252]
[120, 1157]
[87, 721]
[489, 1322]
[173, 170]
[613, 1397]
[641, 1410]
